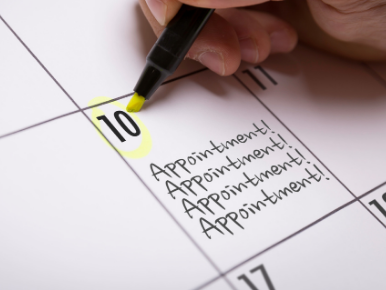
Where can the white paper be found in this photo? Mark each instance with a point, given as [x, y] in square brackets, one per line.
[82, 210]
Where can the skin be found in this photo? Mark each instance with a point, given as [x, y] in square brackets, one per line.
[250, 30]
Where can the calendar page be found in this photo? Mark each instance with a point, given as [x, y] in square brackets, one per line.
[272, 178]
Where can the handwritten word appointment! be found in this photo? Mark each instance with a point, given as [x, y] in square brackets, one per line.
[199, 182]
[220, 225]
[223, 209]
[173, 168]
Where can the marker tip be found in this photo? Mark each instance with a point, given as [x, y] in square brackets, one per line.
[135, 103]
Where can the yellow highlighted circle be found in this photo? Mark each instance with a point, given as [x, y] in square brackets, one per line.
[146, 143]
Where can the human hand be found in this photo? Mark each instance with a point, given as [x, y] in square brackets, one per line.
[230, 34]
[351, 28]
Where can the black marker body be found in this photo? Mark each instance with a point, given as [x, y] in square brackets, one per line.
[171, 48]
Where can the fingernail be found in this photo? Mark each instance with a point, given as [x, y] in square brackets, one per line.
[158, 8]
[248, 49]
[213, 60]
[280, 41]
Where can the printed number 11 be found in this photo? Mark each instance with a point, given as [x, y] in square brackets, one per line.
[265, 276]
[256, 80]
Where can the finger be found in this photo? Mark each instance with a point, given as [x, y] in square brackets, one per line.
[283, 36]
[217, 47]
[219, 4]
[254, 41]
[163, 10]
[297, 12]
[353, 21]
[155, 25]
[259, 33]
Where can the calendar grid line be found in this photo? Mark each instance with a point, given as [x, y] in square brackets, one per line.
[361, 202]
[40, 63]
[179, 225]
[298, 232]
[309, 150]
[209, 282]
[130, 94]
[292, 133]
[371, 190]
[225, 273]
[355, 198]
[93, 106]
[107, 102]
[184, 76]
[198, 247]
[64, 115]
[292, 235]
[365, 194]
[38, 124]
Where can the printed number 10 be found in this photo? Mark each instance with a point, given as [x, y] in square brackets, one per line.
[117, 116]
[378, 206]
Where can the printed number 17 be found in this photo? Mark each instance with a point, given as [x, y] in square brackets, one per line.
[265, 276]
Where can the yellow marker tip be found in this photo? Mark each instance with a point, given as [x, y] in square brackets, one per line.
[135, 103]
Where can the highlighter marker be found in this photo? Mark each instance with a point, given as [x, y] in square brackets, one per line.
[168, 52]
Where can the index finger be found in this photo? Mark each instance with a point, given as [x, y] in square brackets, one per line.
[223, 3]
[165, 10]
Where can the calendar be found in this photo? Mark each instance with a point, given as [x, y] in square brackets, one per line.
[273, 178]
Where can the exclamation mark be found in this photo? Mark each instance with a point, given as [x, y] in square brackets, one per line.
[300, 154]
[266, 126]
[283, 139]
[316, 167]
